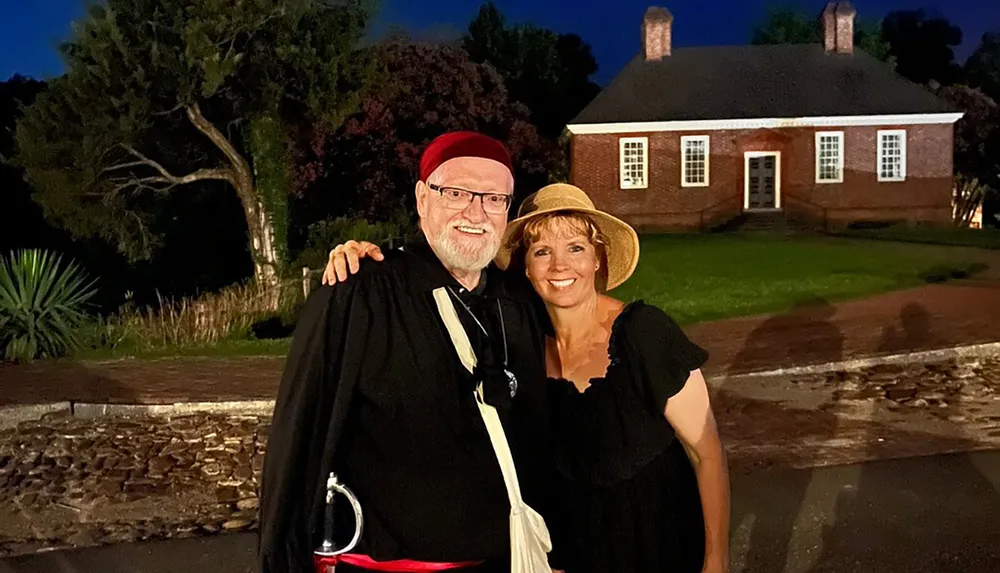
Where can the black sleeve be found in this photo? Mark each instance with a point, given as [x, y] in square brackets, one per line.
[661, 353]
[309, 411]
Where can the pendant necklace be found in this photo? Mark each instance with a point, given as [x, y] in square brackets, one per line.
[511, 379]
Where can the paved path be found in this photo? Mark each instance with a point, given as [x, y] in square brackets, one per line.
[918, 515]
[935, 316]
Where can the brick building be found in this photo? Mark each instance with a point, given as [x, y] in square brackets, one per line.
[695, 137]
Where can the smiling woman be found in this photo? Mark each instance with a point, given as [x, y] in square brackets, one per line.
[644, 483]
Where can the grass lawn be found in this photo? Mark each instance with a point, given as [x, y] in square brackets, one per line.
[987, 238]
[707, 277]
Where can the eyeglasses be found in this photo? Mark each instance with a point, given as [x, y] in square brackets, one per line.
[458, 198]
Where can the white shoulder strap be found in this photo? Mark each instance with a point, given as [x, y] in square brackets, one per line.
[530, 540]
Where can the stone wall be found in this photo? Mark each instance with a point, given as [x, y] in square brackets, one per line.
[70, 481]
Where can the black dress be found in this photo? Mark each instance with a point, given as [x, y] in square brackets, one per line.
[628, 490]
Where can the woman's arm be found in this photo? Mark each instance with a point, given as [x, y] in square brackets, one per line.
[690, 414]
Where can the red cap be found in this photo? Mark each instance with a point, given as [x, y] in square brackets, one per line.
[462, 144]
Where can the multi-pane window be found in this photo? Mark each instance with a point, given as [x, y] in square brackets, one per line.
[891, 155]
[634, 164]
[694, 161]
[830, 157]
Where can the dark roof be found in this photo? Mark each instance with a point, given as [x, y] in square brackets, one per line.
[744, 82]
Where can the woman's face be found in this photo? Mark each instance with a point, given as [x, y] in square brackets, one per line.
[562, 263]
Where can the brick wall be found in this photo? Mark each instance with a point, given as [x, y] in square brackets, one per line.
[665, 204]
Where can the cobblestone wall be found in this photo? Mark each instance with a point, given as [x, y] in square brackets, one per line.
[68, 481]
[83, 482]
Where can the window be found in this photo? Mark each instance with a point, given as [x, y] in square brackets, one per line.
[632, 157]
[830, 157]
[694, 161]
[892, 155]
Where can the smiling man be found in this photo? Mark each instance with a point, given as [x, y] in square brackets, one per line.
[375, 392]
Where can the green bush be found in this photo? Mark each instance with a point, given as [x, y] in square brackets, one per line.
[42, 305]
[325, 235]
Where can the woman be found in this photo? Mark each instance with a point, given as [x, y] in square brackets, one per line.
[624, 382]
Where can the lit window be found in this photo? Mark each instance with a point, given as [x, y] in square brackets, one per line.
[830, 157]
[694, 161]
[632, 157]
[892, 155]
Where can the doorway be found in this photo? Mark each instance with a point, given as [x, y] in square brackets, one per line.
[762, 181]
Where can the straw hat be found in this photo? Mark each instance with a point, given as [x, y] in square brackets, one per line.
[622, 243]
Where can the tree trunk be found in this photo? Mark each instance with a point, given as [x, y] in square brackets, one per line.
[267, 262]
[968, 196]
[268, 255]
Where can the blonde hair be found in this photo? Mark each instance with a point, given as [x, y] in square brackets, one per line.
[565, 224]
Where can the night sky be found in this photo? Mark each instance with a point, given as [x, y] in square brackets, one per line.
[30, 28]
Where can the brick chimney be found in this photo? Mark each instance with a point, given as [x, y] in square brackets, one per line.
[838, 27]
[656, 33]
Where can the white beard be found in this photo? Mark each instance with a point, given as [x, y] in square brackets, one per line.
[454, 255]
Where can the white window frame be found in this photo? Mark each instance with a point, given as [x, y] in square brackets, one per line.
[901, 133]
[707, 141]
[622, 142]
[839, 136]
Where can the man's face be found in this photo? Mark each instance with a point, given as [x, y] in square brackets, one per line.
[464, 235]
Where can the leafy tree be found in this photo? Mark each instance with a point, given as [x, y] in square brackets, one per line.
[977, 149]
[23, 223]
[163, 94]
[983, 66]
[787, 24]
[368, 167]
[923, 46]
[977, 134]
[548, 72]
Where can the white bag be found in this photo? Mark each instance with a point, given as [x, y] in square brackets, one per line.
[529, 537]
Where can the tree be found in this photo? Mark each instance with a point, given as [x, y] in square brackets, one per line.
[983, 66]
[923, 46]
[790, 25]
[368, 167]
[977, 134]
[787, 25]
[969, 196]
[977, 148]
[23, 220]
[548, 72]
[163, 94]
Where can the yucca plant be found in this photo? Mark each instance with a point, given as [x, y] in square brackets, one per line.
[42, 304]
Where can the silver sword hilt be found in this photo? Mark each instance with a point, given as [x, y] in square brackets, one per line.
[333, 487]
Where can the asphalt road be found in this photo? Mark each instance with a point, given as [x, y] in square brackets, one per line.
[937, 514]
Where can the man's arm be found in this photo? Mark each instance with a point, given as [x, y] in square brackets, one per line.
[345, 257]
[302, 410]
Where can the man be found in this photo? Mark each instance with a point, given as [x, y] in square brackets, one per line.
[374, 390]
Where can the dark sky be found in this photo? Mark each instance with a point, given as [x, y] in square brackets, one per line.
[30, 28]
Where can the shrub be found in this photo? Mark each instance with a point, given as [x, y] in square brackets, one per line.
[325, 235]
[42, 304]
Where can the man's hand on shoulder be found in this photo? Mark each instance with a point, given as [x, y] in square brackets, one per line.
[345, 257]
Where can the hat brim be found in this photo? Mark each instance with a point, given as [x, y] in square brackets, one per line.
[621, 252]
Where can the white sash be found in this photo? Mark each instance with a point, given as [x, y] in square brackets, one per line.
[529, 537]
